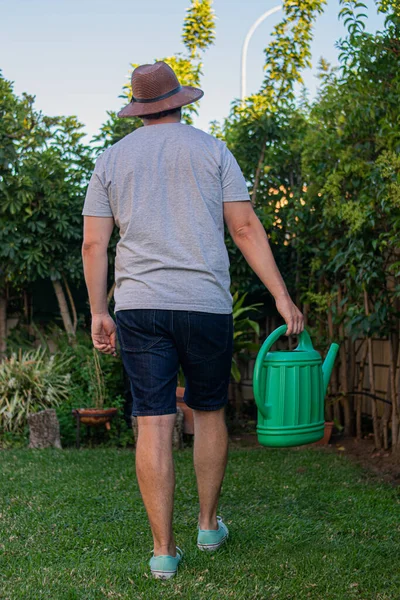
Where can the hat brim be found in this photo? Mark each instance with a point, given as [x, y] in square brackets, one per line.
[185, 96]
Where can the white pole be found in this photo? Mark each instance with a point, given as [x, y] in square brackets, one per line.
[246, 45]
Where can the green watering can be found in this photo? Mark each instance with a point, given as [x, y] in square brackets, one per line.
[289, 389]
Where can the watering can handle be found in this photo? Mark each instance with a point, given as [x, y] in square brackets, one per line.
[305, 343]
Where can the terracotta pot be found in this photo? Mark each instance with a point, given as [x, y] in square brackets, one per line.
[327, 434]
[188, 423]
[96, 416]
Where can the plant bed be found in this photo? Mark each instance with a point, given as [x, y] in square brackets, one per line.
[382, 463]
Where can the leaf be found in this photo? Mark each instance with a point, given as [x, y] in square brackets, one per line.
[235, 371]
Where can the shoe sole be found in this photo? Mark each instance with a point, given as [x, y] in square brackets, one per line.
[163, 574]
[212, 547]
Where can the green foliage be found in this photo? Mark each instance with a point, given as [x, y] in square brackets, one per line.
[30, 382]
[40, 215]
[83, 387]
[289, 50]
[96, 379]
[199, 27]
[44, 169]
[244, 330]
[350, 157]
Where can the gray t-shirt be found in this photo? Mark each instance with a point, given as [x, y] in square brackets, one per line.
[165, 185]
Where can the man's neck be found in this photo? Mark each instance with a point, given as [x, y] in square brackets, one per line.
[160, 121]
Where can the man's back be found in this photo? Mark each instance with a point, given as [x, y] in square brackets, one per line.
[165, 185]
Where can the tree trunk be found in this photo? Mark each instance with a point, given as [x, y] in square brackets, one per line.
[386, 412]
[306, 310]
[72, 304]
[3, 324]
[63, 306]
[28, 312]
[334, 379]
[257, 177]
[393, 348]
[351, 353]
[359, 396]
[298, 275]
[372, 379]
[348, 410]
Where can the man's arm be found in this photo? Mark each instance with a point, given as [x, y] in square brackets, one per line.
[249, 236]
[96, 236]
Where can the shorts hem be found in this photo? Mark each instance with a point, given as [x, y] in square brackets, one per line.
[208, 408]
[154, 413]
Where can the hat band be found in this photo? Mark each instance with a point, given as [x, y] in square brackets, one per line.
[162, 97]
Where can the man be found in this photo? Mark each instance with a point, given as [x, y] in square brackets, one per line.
[169, 187]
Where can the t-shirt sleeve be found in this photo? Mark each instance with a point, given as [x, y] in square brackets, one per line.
[234, 188]
[97, 203]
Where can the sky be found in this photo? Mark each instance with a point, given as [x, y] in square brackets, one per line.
[75, 55]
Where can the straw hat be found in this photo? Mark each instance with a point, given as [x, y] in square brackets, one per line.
[156, 88]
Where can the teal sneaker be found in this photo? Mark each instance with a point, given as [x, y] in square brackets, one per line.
[165, 566]
[212, 539]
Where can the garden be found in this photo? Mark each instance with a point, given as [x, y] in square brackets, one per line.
[324, 179]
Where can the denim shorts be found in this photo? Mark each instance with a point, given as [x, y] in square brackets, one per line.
[153, 345]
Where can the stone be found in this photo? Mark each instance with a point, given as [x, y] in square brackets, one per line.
[44, 429]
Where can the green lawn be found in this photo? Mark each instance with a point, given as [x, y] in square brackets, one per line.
[304, 524]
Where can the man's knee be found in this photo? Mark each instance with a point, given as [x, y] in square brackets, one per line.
[156, 423]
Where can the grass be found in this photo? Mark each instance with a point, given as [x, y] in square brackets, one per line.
[304, 524]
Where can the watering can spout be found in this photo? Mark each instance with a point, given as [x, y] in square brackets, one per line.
[328, 364]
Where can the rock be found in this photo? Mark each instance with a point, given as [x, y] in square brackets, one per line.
[44, 429]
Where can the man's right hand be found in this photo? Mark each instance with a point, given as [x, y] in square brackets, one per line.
[289, 311]
[104, 334]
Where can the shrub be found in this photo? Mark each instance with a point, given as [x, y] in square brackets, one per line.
[29, 382]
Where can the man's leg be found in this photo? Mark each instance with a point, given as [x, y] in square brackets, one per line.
[210, 457]
[156, 477]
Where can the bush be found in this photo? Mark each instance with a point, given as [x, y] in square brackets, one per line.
[29, 382]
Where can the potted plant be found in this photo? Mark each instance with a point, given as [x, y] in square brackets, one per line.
[329, 425]
[98, 415]
[327, 434]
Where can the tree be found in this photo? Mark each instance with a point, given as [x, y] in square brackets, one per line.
[42, 185]
[20, 127]
[351, 162]
[265, 133]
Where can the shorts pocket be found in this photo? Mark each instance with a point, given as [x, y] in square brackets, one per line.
[136, 330]
[209, 335]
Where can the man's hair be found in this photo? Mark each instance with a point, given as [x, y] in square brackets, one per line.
[160, 115]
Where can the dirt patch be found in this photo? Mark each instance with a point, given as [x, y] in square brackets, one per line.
[382, 463]
[244, 440]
